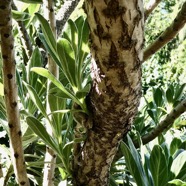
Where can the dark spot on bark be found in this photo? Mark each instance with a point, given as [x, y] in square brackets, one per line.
[11, 47]
[22, 183]
[113, 55]
[10, 125]
[14, 104]
[160, 39]
[2, 7]
[5, 57]
[19, 133]
[113, 9]
[51, 10]
[9, 76]
[6, 35]
[5, 92]
[54, 156]
[14, 61]
[16, 155]
[8, 18]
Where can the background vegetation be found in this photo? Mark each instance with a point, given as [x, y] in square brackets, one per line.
[159, 162]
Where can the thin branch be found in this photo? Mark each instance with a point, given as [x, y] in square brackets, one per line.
[24, 35]
[168, 34]
[150, 7]
[10, 92]
[50, 156]
[64, 14]
[165, 124]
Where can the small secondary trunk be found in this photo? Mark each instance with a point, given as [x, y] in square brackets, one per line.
[10, 92]
[116, 32]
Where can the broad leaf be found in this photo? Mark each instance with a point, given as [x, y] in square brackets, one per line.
[158, 166]
[178, 167]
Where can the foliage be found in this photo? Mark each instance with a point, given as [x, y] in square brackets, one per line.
[158, 163]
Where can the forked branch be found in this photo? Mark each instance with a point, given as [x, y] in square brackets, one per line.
[168, 34]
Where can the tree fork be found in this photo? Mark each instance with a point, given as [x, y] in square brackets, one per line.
[116, 33]
[10, 92]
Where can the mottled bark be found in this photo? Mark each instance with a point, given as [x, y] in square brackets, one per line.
[10, 92]
[168, 34]
[116, 28]
[50, 156]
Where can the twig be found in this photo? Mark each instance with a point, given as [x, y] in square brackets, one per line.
[50, 155]
[24, 35]
[168, 34]
[64, 14]
[10, 92]
[150, 7]
[165, 124]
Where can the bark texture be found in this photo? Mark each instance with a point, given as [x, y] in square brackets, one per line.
[10, 92]
[116, 28]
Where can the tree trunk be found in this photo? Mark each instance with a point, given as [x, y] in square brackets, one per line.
[116, 32]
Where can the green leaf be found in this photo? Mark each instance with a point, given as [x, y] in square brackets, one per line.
[179, 91]
[178, 167]
[52, 53]
[158, 97]
[45, 73]
[175, 144]
[40, 130]
[32, 1]
[1, 89]
[158, 166]
[133, 163]
[35, 98]
[169, 95]
[20, 16]
[67, 58]
[176, 182]
[57, 92]
[47, 31]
